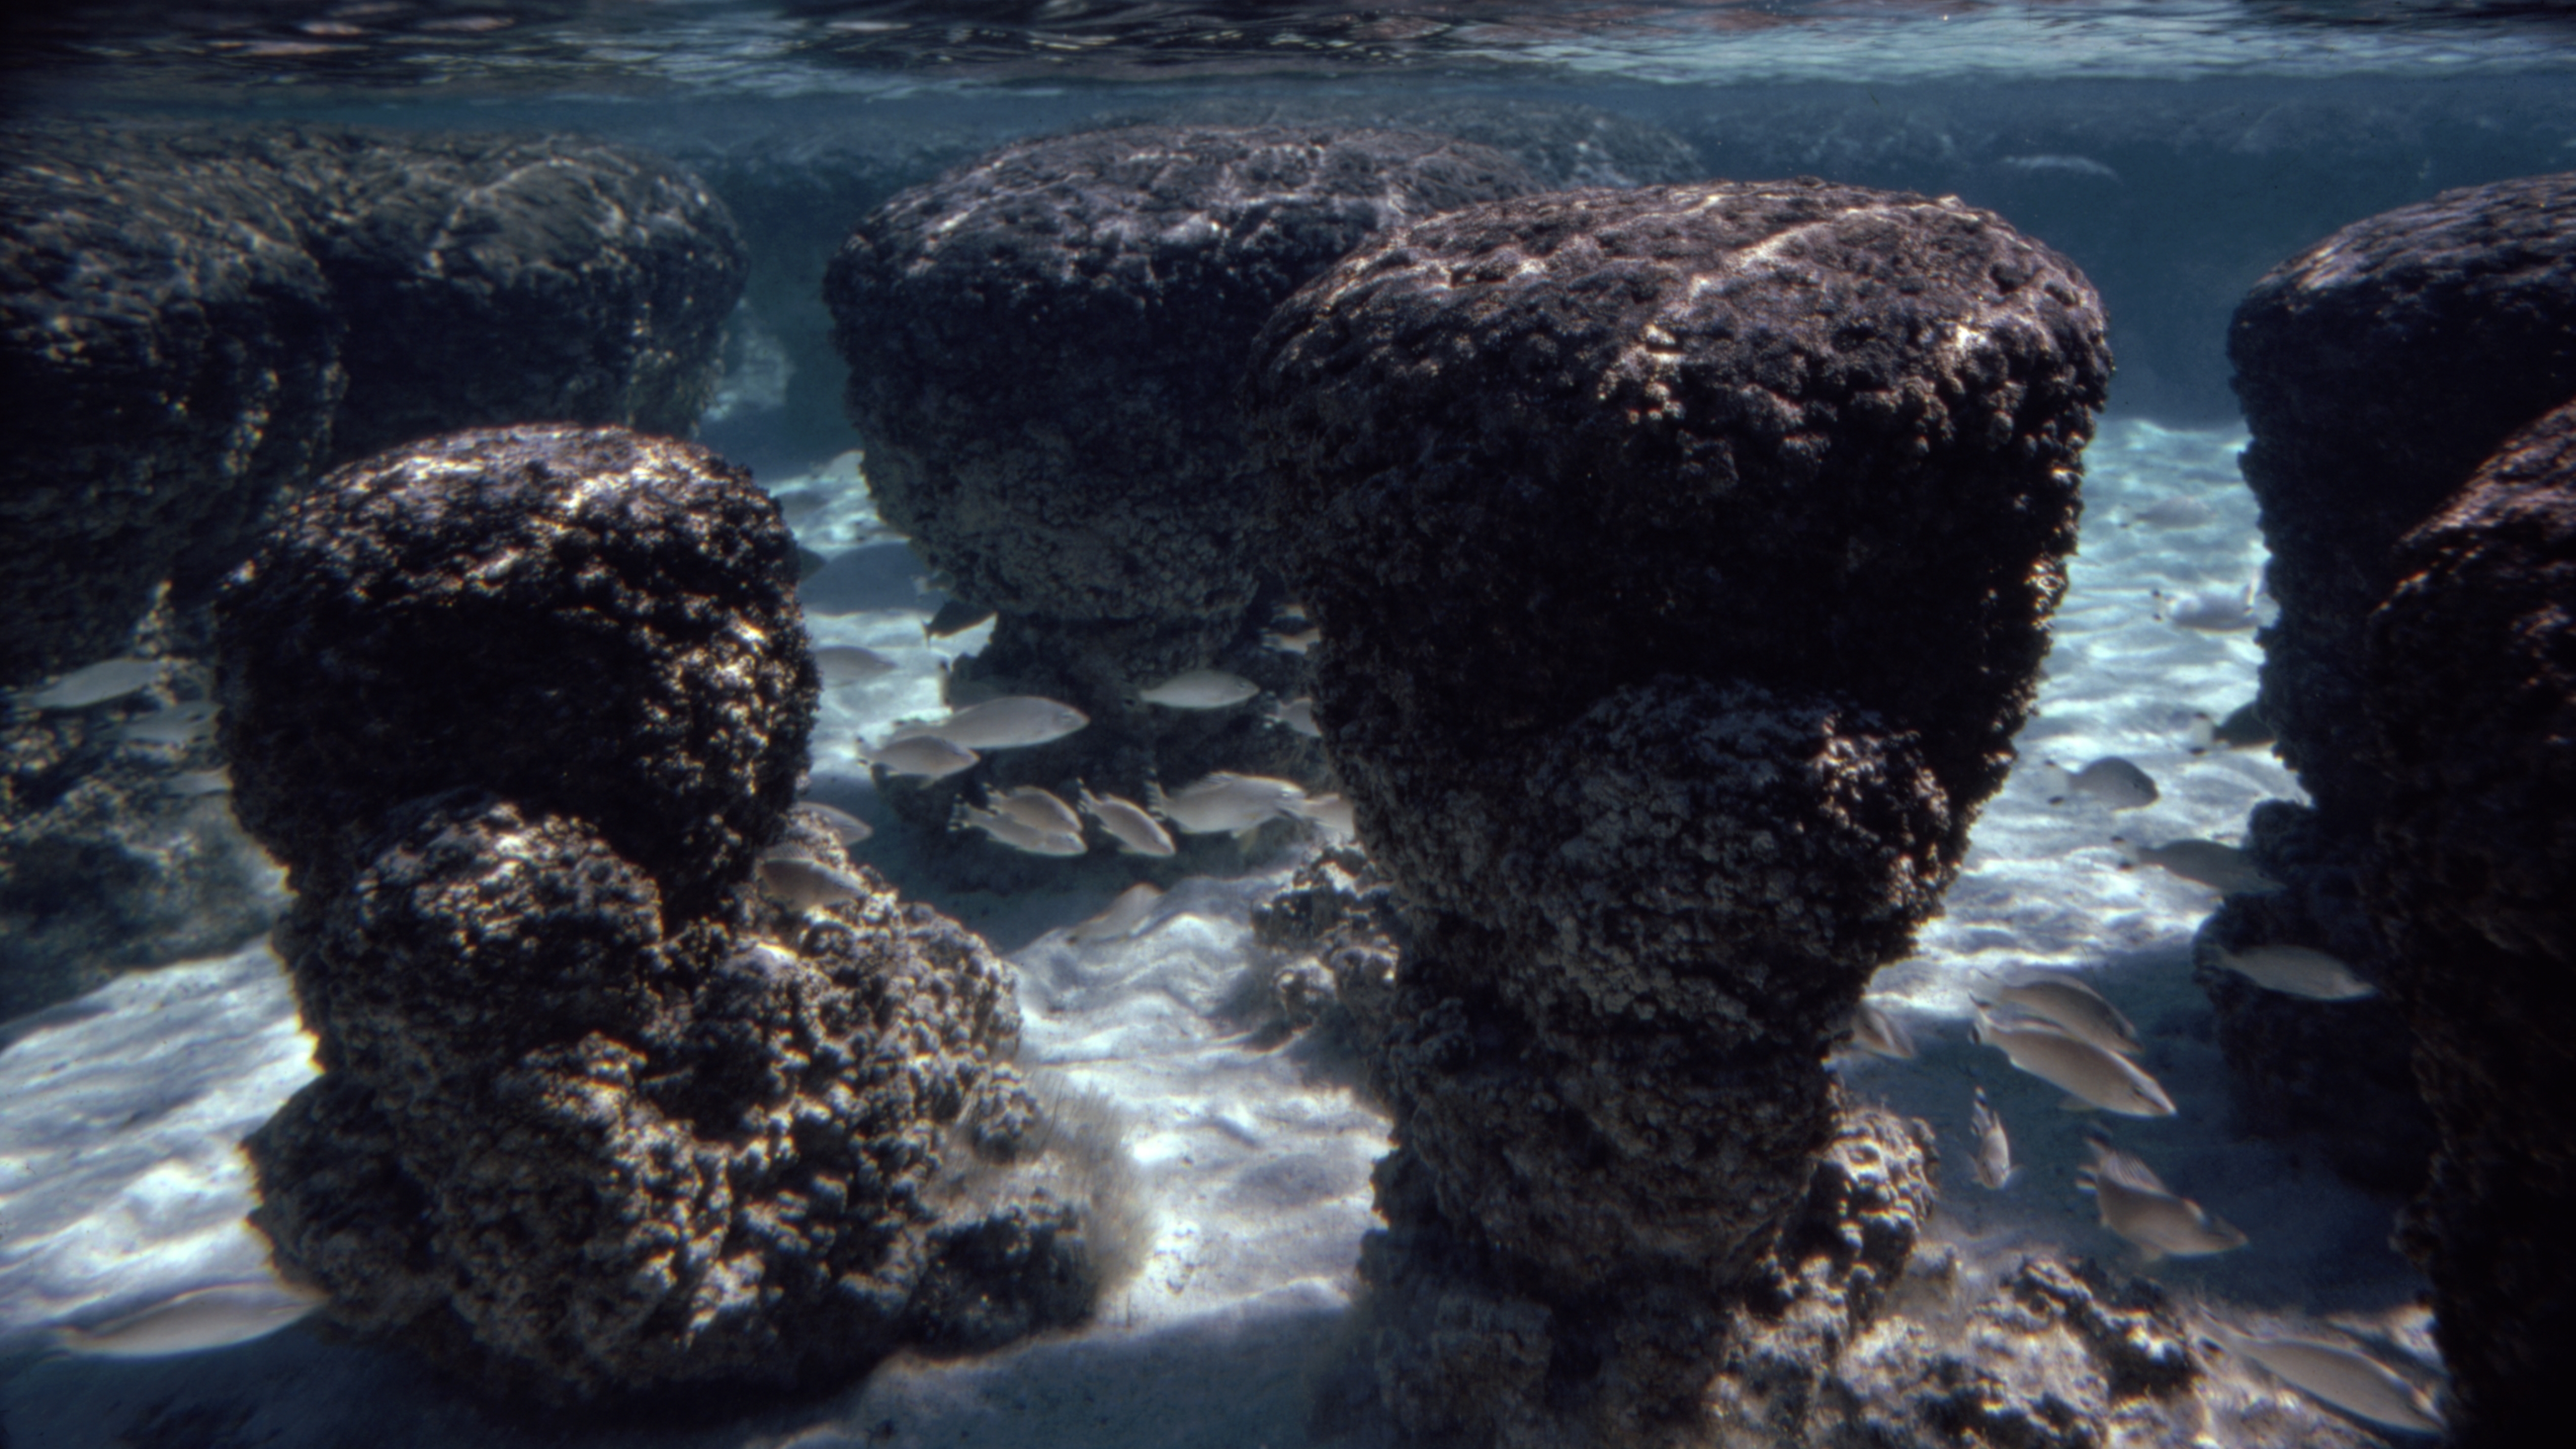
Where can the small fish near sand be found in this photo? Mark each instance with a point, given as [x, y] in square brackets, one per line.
[2180, 511]
[2214, 611]
[1299, 715]
[1224, 803]
[2296, 971]
[844, 664]
[845, 827]
[2114, 781]
[1125, 917]
[1200, 689]
[2223, 868]
[1010, 722]
[1037, 808]
[194, 1322]
[802, 883]
[2243, 729]
[1136, 832]
[1874, 1031]
[2345, 1378]
[1018, 834]
[927, 757]
[2071, 1006]
[2086, 1072]
[1993, 1158]
[180, 724]
[2136, 1204]
[94, 684]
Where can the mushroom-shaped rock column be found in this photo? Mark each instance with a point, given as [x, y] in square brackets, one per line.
[522, 709]
[1683, 558]
[1044, 349]
[2378, 369]
[2472, 697]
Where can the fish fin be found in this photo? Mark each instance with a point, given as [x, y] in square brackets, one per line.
[2073, 1103]
[2150, 1255]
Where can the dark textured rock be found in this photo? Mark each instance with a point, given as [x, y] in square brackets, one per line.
[518, 707]
[2471, 698]
[168, 360]
[1043, 352]
[2377, 369]
[585, 621]
[1683, 558]
[183, 308]
[2339, 1072]
[1340, 927]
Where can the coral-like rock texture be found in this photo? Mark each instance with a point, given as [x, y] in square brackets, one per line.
[2472, 697]
[519, 708]
[1683, 557]
[2377, 370]
[195, 319]
[1043, 353]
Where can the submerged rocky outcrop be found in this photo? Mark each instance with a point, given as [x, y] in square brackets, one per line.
[194, 321]
[522, 709]
[1043, 352]
[2471, 698]
[1683, 558]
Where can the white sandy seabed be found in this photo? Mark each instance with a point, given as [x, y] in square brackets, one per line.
[121, 1182]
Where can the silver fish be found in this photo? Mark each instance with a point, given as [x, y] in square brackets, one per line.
[2072, 1007]
[1299, 714]
[841, 664]
[1200, 689]
[2106, 1079]
[2216, 611]
[195, 1321]
[2349, 1380]
[94, 684]
[1037, 808]
[927, 756]
[848, 828]
[180, 724]
[2112, 780]
[1293, 641]
[1007, 723]
[1016, 833]
[1333, 812]
[2180, 511]
[1224, 802]
[803, 884]
[2223, 868]
[1876, 1032]
[2137, 1205]
[1993, 1161]
[1125, 917]
[2297, 971]
[198, 782]
[1128, 824]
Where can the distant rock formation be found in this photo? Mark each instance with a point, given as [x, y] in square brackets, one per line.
[520, 709]
[1683, 558]
[2471, 700]
[196, 317]
[1044, 349]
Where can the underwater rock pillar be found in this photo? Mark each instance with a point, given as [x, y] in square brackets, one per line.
[2472, 698]
[1683, 558]
[1043, 352]
[522, 710]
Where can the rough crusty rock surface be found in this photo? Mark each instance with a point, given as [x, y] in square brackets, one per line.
[450, 611]
[1043, 352]
[2337, 1072]
[1683, 557]
[2472, 701]
[195, 318]
[519, 708]
[2377, 370]
[169, 353]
